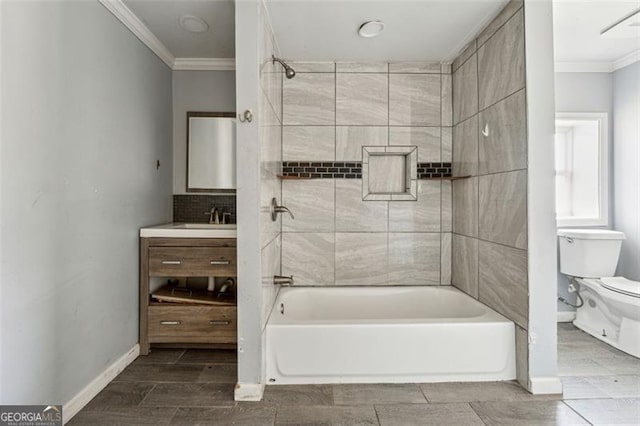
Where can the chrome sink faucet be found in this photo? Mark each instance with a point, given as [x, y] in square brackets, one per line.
[218, 217]
[214, 216]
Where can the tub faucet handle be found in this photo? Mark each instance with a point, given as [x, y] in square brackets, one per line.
[283, 280]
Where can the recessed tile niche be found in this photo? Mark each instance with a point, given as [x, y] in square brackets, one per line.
[389, 173]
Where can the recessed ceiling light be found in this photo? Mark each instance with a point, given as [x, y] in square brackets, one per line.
[194, 24]
[371, 29]
[627, 27]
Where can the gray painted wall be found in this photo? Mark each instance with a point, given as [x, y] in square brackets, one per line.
[626, 174]
[585, 92]
[588, 92]
[86, 113]
[212, 91]
[259, 88]
[249, 204]
[542, 331]
[1, 219]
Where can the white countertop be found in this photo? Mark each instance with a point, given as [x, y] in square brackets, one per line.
[189, 230]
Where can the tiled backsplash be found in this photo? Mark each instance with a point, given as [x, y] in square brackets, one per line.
[192, 208]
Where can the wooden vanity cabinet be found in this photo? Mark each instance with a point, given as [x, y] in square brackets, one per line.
[187, 325]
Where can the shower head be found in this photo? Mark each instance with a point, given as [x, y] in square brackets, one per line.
[288, 71]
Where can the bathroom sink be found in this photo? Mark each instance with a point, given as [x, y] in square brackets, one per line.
[190, 230]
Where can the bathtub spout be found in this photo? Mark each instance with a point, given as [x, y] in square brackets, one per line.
[283, 280]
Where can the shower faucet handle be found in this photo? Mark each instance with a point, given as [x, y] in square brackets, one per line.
[283, 209]
[275, 209]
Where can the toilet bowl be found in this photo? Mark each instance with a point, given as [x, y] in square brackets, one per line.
[611, 305]
[611, 311]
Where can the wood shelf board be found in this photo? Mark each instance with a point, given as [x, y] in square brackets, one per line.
[164, 295]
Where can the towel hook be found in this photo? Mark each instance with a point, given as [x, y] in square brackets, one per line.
[246, 116]
[485, 131]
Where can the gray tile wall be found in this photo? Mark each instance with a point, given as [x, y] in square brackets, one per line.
[332, 110]
[489, 245]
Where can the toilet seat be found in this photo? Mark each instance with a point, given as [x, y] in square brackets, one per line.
[621, 285]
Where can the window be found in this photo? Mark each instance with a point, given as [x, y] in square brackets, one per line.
[581, 169]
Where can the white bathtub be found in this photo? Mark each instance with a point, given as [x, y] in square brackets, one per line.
[386, 335]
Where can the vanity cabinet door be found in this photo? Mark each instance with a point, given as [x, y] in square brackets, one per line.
[192, 324]
[192, 261]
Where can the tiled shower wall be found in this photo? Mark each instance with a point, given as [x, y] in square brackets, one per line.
[489, 255]
[270, 117]
[332, 110]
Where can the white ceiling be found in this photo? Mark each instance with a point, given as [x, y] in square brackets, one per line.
[162, 16]
[416, 30]
[577, 26]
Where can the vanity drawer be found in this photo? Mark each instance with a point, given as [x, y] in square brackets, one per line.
[192, 324]
[192, 261]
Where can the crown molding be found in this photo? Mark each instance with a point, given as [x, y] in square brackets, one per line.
[605, 67]
[204, 64]
[627, 60]
[139, 29]
[583, 67]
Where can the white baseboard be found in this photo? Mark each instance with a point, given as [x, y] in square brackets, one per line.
[545, 385]
[83, 397]
[566, 316]
[248, 391]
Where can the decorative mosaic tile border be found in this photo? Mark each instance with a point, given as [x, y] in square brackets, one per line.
[434, 170]
[323, 169]
[353, 170]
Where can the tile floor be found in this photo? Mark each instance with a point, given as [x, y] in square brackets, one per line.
[602, 386]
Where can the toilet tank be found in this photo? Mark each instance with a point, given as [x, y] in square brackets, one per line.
[589, 253]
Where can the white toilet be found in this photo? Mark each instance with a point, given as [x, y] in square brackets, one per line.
[611, 309]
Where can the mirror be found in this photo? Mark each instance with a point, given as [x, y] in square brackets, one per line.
[211, 151]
